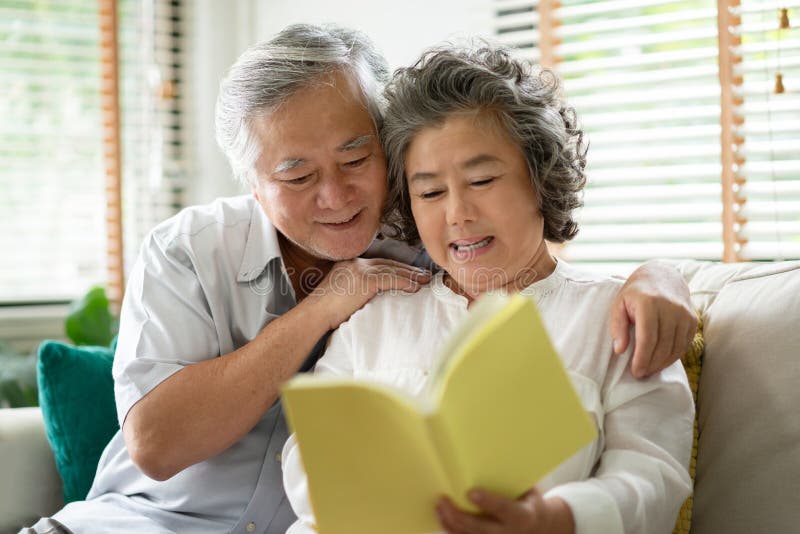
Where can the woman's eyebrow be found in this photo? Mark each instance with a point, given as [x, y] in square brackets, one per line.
[420, 176]
[480, 159]
[474, 161]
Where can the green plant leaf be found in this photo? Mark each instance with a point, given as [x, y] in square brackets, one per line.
[18, 395]
[17, 379]
[90, 321]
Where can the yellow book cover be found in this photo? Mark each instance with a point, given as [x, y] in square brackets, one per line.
[501, 413]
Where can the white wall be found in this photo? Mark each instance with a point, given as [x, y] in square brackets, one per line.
[222, 30]
[400, 28]
[218, 33]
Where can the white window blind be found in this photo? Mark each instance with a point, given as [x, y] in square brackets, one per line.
[52, 243]
[644, 78]
[152, 93]
[53, 232]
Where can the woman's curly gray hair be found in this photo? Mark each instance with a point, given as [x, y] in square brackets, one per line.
[524, 100]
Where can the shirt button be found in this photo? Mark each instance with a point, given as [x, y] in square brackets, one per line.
[251, 527]
[278, 457]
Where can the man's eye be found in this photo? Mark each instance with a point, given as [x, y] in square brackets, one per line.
[299, 181]
[428, 195]
[356, 162]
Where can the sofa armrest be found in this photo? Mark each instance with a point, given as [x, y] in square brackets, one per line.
[30, 486]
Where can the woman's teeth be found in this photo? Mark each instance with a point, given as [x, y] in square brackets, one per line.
[473, 246]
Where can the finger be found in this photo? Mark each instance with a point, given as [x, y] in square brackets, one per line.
[663, 360]
[381, 275]
[391, 282]
[404, 272]
[532, 497]
[458, 522]
[688, 332]
[679, 344]
[662, 354]
[375, 262]
[646, 326]
[620, 325]
[682, 342]
[501, 508]
[445, 513]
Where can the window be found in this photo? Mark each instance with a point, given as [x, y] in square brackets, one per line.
[767, 188]
[52, 185]
[644, 76]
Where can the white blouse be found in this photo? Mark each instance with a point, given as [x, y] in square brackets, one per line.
[633, 478]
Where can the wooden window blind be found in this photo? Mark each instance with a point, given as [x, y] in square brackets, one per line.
[668, 96]
[766, 185]
[78, 169]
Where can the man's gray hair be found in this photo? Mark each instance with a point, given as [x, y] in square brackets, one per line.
[522, 100]
[270, 72]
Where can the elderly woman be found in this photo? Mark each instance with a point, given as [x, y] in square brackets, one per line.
[486, 166]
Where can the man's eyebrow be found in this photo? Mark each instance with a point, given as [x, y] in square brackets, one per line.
[288, 164]
[356, 142]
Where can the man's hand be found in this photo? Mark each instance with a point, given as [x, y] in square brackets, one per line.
[352, 283]
[655, 299]
[530, 514]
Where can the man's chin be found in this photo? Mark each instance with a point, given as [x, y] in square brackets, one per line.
[346, 250]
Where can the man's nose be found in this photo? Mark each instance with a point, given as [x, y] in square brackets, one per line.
[335, 192]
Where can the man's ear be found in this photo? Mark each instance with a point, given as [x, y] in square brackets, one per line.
[254, 190]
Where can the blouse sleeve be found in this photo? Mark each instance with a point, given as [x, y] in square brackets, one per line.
[337, 360]
[641, 478]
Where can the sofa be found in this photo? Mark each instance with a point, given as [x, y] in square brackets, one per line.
[748, 450]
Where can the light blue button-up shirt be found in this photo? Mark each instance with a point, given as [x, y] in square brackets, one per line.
[206, 282]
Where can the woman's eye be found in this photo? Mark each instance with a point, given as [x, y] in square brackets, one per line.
[427, 195]
[485, 181]
[356, 162]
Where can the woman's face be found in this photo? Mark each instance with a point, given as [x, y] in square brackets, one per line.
[474, 204]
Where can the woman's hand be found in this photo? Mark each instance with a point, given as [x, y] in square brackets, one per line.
[352, 283]
[530, 514]
[656, 300]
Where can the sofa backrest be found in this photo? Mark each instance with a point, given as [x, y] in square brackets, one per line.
[748, 462]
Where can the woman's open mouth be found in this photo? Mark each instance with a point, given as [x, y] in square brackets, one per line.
[468, 249]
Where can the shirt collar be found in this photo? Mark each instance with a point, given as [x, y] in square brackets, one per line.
[537, 290]
[261, 248]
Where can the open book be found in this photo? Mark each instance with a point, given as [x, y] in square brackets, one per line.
[500, 414]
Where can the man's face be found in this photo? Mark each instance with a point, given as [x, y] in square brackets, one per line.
[322, 172]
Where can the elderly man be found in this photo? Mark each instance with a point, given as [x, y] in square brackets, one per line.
[229, 300]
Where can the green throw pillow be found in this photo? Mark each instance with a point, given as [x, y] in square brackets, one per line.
[76, 394]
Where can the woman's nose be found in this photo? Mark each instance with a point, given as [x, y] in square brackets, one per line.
[459, 209]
